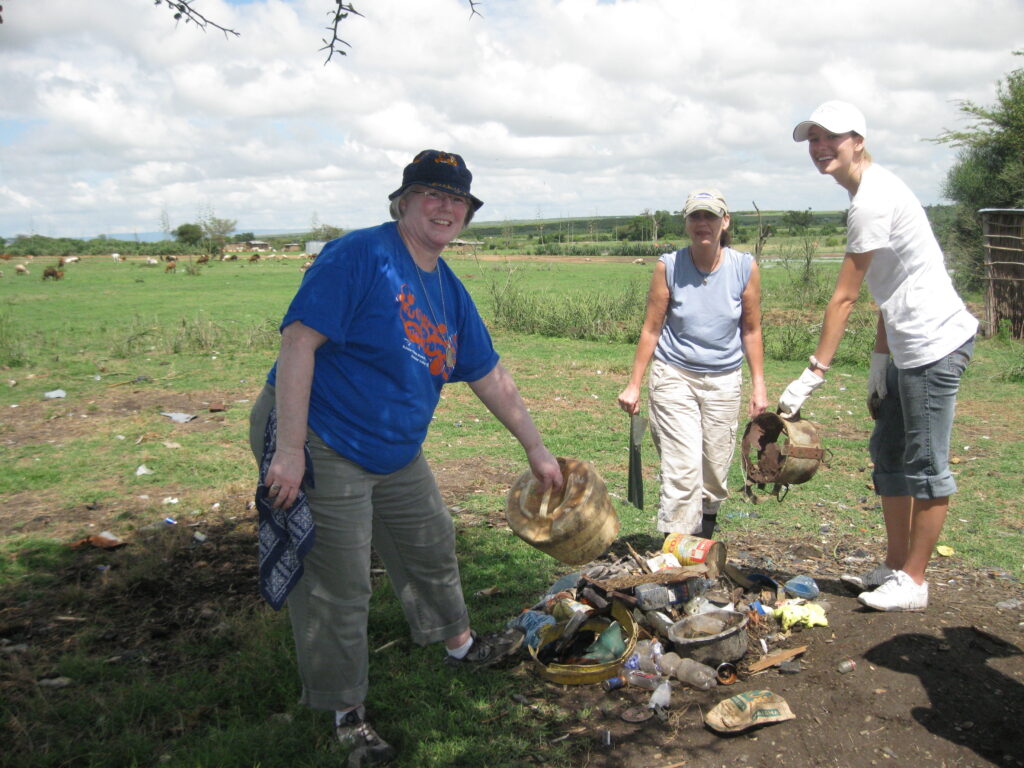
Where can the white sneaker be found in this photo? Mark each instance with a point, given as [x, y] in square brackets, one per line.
[899, 593]
[865, 582]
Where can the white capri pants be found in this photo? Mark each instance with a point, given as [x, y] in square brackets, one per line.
[694, 418]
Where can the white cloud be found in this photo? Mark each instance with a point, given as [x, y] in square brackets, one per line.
[112, 113]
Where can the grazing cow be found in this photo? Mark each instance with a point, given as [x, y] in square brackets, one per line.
[116, 257]
[171, 266]
[53, 273]
[204, 259]
[69, 260]
[5, 256]
[151, 261]
[254, 258]
[21, 269]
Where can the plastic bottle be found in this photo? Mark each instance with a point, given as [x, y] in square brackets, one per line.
[648, 652]
[684, 591]
[668, 663]
[693, 673]
[659, 621]
[645, 680]
[651, 597]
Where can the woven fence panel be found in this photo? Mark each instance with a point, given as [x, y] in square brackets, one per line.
[1004, 270]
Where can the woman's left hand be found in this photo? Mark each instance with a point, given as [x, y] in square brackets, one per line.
[758, 400]
[545, 467]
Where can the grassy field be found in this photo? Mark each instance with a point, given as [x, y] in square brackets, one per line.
[128, 343]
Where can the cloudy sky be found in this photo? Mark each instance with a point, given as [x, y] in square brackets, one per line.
[111, 115]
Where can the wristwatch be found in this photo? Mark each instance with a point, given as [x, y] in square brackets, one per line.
[815, 364]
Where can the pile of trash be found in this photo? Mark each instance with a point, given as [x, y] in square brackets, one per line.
[680, 617]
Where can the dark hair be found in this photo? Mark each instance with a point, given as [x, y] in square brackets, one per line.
[726, 238]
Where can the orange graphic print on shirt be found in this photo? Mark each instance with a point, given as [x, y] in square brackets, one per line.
[434, 341]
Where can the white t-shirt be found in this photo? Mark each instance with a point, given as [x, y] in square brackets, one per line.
[924, 317]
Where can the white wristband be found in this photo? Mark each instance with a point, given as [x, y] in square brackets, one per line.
[815, 364]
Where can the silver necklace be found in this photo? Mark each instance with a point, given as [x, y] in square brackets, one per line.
[700, 271]
[449, 349]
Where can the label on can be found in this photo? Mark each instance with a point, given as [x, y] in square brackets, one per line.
[693, 550]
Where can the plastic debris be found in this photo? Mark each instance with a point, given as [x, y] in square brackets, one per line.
[170, 500]
[945, 551]
[143, 470]
[805, 615]
[802, 586]
[179, 418]
[54, 394]
[54, 682]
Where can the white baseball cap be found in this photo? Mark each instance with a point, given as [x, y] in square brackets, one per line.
[835, 117]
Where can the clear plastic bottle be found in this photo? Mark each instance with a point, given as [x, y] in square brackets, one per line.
[668, 663]
[651, 597]
[648, 652]
[645, 680]
[693, 673]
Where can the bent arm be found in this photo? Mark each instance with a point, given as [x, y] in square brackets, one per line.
[654, 319]
[837, 313]
[294, 379]
[499, 393]
[753, 343]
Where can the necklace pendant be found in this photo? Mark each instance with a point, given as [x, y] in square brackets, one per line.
[705, 281]
[449, 354]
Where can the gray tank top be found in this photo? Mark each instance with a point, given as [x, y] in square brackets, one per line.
[702, 328]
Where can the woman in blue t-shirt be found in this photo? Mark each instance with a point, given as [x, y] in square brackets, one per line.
[703, 317]
[378, 326]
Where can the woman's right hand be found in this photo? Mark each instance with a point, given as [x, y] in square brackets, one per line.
[284, 477]
[629, 399]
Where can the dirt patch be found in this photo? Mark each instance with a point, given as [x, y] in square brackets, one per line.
[944, 687]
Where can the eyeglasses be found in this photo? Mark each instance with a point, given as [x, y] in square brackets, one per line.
[438, 197]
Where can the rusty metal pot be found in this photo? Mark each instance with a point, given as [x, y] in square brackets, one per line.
[791, 461]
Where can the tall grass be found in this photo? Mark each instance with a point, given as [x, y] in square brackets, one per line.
[13, 349]
[613, 316]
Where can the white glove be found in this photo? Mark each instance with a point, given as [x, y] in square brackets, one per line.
[877, 387]
[798, 391]
[876, 377]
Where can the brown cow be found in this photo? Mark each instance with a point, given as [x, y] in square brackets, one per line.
[53, 273]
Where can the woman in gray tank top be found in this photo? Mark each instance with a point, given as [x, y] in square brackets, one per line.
[703, 317]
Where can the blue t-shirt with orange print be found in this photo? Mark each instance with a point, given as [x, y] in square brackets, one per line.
[378, 377]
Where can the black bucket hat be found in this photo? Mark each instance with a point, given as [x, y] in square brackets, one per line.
[443, 171]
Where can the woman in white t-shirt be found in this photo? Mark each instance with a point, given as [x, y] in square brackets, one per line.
[923, 342]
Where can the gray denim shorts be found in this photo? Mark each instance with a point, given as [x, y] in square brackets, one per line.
[910, 443]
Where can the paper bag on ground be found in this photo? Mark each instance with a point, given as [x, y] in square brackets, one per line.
[745, 710]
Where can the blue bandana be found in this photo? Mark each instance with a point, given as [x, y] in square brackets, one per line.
[286, 535]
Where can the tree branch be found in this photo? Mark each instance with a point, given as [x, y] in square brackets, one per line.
[182, 9]
[342, 11]
[337, 15]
